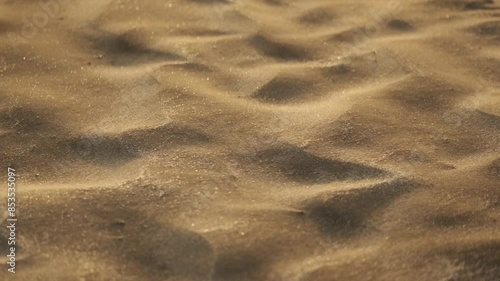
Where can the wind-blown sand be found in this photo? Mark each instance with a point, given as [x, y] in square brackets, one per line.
[279, 140]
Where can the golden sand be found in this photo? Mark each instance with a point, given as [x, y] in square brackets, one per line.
[238, 140]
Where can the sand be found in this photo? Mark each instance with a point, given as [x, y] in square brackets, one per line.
[270, 140]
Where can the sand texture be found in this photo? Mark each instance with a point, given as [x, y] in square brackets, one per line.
[252, 140]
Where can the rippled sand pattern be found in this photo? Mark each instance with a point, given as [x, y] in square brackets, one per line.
[252, 140]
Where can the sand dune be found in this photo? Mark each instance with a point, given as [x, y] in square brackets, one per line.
[277, 140]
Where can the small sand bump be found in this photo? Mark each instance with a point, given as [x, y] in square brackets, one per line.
[301, 166]
[127, 49]
[347, 213]
[279, 50]
[400, 25]
[284, 89]
[318, 16]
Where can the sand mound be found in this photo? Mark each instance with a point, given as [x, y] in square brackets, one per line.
[252, 139]
[346, 213]
[301, 166]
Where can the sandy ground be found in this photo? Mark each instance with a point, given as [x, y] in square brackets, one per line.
[274, 140]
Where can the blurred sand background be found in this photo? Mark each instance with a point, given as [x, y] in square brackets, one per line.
[266, 140]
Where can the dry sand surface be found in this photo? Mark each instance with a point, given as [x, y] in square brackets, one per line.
[238, 140]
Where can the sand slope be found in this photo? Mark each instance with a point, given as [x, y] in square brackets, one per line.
[277, 140]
